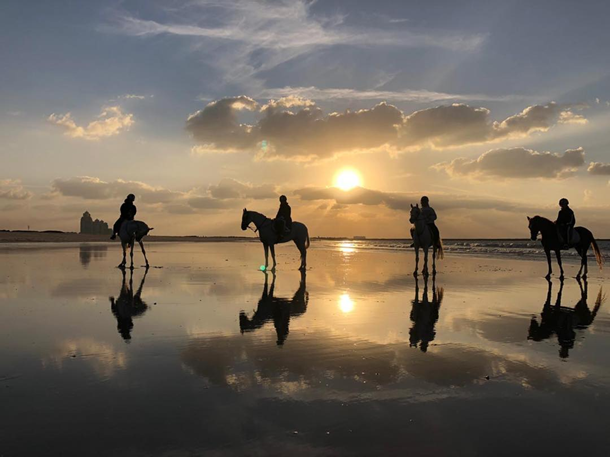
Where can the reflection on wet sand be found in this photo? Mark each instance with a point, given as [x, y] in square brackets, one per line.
[562, 321]
[278, 309]
[424, 314]
[128, 305]
[86, 252]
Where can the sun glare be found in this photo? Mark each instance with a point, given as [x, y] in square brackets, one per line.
[346, 304]
[347, 179]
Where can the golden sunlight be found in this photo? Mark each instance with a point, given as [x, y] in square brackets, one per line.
[346, 304]
[347, 179]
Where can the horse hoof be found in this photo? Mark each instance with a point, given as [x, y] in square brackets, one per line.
[548, 277]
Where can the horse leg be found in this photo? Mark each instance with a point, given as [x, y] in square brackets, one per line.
[434, 261]
[131, 254]
[585, 262]
[425, 269]
[266, 246]
[124, 262]
[416, 260]
[558, 255]
[143, 252]
[548, 260]
[272, 247]
[303, 251]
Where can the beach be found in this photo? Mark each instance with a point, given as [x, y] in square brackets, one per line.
[204, 354]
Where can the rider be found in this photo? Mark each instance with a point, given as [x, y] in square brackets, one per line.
[128, 212]
[565, 222]
[283, 218]
[429, 216]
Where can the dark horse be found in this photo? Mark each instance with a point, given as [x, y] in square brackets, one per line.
[551, 242]
[277, 309]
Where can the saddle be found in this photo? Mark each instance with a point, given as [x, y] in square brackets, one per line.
[574, 237]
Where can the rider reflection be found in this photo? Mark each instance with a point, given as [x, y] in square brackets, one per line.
[424, 315]
[562, 321]
[128, 305]
[280, 310]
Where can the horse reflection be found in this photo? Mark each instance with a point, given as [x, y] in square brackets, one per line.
[128, 305]
[562, 321]
[424, 315]
[280, 310]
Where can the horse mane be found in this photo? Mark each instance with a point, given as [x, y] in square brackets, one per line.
[542, 219]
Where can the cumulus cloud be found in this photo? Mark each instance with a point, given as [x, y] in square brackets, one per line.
[12, 189]
[229, 188]
[110, 122]
[517, 163]
[599, 169]
[295, 128]
[91, 188]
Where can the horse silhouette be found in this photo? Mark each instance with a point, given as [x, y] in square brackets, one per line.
[128, 305]
[422, 238]
[562, 321]
[551, 242]
[268, 236]
[130, 232]
[276, 309]
[424, 315]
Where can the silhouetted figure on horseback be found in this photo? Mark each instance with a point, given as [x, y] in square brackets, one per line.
[128, 213]
[425, 234]
[430, 217]
[565, 223]
[562, 234]
[283, 219]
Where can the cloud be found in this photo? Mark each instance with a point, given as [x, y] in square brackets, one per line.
[517, 163]
[111, 121]
[90, 188]
[599, 169]
[295, 128]
[420, 96]
[12, 189]
[402, 201]
[459, 125]
[229, 188]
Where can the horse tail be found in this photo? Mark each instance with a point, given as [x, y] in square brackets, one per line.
[598, 253]
[440, 252]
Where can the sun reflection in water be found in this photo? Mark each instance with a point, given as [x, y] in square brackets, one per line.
[347, 247]
[346, 304]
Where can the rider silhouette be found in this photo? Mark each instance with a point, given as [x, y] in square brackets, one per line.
[429, 216]
[565, 222]
[128, 213]
[283, 219]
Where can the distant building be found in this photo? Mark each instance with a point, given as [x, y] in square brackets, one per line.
[88, 226]
[359, 237]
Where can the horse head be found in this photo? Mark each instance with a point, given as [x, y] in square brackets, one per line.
[245, 219]
[533, 227]
[414, 214]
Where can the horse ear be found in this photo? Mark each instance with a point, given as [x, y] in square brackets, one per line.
[417, 205]
[529, 218]
[411, 205]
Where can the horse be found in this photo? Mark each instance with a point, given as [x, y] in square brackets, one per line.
[130, 232]
[422, 238]
[551, 242]
[268, 236]
[276, 309]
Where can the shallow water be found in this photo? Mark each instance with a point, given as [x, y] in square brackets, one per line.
[349, 359]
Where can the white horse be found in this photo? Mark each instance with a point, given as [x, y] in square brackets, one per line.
[422, 238]
[130, 232]
[268, 236]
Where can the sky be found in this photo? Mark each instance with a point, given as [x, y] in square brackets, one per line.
[493, 109]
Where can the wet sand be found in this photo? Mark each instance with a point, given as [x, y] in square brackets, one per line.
[205, 355]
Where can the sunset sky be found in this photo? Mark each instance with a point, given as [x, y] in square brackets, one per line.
[494, 109]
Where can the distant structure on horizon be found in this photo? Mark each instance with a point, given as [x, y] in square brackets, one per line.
[359, 237]
[88, 226]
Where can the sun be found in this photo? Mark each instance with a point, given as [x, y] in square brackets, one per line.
[347, 179]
